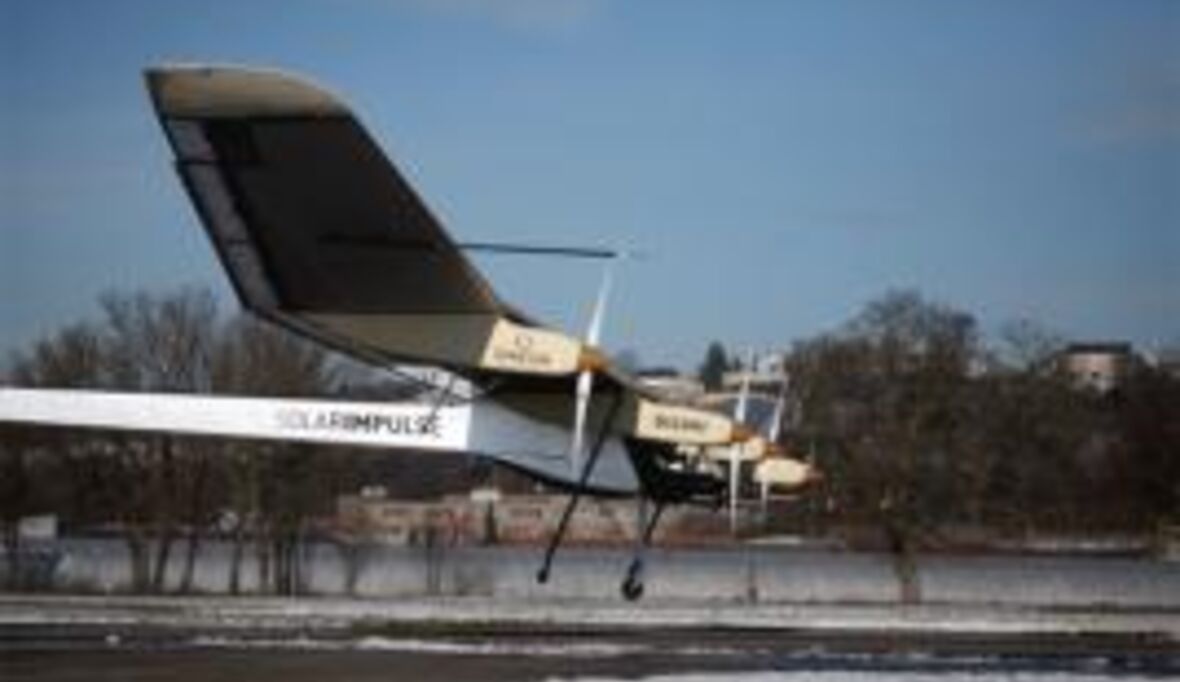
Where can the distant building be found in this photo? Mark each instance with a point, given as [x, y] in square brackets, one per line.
[1099, 367]
[37, 528]
[400, 522]
[766, 374]
[672, 385]
[1167, 360]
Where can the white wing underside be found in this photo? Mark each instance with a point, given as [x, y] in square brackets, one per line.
[481, 428]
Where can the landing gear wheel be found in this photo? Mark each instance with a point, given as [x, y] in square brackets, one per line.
[542, 576]
[632, 587]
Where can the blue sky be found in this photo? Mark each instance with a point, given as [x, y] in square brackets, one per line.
[779, 163]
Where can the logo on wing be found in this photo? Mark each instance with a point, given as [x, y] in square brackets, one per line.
[366, 423]
[678, 424]
[516, 348]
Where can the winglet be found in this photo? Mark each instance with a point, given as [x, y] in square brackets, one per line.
[216, 91]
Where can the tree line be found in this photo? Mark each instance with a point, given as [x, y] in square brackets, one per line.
[922, 426]
[163, 495]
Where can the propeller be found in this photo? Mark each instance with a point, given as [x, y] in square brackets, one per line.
[585, 384]
[782, 469]
[776, 424]
[739, 416]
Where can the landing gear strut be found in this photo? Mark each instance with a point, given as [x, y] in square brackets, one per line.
[658, 483]
[568, 512]
[632, 587]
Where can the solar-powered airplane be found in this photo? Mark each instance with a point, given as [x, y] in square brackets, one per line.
[321, 234]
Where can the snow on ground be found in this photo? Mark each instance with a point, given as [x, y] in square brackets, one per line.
[871, 676]
[575, 650]
[328, 613]
[266, 628]
[811, 663]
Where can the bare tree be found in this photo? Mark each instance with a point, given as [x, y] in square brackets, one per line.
[141, 342]
[163, 343]
[160, 488]
[886, 396]
[271, 494]
[1026, 345]
[69, 358]
[1143, 476]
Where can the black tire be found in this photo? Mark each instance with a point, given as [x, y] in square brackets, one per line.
[632, 589]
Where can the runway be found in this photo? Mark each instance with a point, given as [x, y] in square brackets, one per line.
[679, 655]
[313, 640]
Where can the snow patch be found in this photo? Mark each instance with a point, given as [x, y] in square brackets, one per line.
[869, 676]
[376, 643]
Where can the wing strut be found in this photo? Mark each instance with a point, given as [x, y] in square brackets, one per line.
[587, 470]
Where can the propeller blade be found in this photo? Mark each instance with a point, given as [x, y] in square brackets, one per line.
[585, 386]
[772, 436]
[739, 409]
[776, 420]
[581, 408]
[739, 415]
[594, 330]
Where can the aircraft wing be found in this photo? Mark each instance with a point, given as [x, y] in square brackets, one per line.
[315, 226]
[484, 428]
[320, 232]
